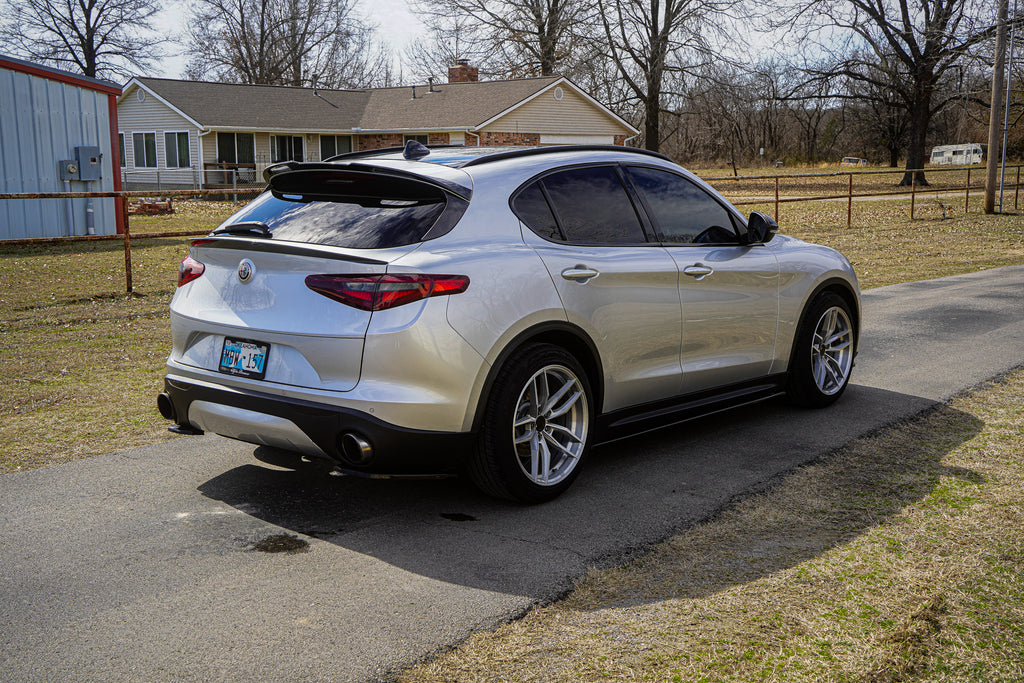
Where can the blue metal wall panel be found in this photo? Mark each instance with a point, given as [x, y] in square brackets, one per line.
[41, 122]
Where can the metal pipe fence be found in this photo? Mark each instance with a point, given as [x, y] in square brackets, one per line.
[126, 236]
[250, 189]
[850, 195]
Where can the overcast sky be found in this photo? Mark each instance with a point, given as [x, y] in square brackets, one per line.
[396, 25]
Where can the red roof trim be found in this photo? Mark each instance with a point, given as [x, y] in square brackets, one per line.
[43, 72]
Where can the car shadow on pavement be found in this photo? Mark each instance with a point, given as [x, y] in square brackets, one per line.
[632, 494]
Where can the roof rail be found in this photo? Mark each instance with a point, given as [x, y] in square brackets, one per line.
[498, 156]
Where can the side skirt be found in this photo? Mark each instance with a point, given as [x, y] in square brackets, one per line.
[627, 422]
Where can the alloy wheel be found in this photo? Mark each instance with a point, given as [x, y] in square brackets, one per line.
[832, 350]
[550, 426]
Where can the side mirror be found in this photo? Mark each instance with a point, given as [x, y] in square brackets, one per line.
[761, 228]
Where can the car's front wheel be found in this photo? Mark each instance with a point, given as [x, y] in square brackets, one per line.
[823, 356]
[536, 426]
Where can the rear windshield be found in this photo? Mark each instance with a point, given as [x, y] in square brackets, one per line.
[347, 210]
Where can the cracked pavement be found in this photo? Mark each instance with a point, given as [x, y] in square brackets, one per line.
[141, 565]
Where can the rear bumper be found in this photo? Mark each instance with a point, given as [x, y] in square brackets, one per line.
[316, 429]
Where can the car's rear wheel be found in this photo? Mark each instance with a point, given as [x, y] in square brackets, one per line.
[823, 357]
[536, 426]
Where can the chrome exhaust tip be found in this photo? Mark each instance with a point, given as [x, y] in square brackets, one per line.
[354, 449]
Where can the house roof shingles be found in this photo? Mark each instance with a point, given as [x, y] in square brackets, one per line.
[451, 105]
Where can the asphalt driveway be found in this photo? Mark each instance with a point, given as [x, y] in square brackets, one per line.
[141, 565]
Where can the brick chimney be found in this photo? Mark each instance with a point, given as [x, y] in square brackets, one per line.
[462, 72]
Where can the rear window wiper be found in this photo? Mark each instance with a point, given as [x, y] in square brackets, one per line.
[253, 228]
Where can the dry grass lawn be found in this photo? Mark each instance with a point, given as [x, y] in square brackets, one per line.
[81, 362]
[886, 247]
[897, 559]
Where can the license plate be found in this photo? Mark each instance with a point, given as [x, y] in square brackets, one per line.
[244, 358]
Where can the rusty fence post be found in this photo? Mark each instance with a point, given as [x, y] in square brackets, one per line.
[776, 199]
[1016, 189]
[127, 247]
[849, 204]
[913, 193]
[967, 193]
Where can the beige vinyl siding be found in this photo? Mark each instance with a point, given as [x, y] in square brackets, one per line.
[573, 114]
[149, 116]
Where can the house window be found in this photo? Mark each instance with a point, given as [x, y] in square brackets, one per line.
[285, 148]
[236, 148]
[176, 150]
[145, 149]
[422, 139]
[334, 144]
[120, 145]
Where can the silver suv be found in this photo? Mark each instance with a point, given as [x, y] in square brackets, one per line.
[495, 312]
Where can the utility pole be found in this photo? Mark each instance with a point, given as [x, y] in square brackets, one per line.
[995, 109]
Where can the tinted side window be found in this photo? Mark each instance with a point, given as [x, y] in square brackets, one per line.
[533, 210]
[684, 212]
[592, 206]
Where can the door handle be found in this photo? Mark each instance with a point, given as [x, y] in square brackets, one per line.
[698, 271]
[580, 273]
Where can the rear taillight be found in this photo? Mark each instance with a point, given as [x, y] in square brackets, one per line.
[189, 270]
[377, 292]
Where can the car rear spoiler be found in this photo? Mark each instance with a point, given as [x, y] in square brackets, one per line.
[288, 177]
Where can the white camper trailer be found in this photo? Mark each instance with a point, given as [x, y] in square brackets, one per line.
[957, 155]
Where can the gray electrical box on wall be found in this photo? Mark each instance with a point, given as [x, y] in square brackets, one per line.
[68, 169]
[88, 162]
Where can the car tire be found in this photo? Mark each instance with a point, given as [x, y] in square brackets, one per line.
[822, 358]
[531, 450]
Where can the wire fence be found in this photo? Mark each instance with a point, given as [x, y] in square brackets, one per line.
[210, 176]
[756, 189]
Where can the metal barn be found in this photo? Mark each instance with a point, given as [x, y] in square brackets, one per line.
[58, 133]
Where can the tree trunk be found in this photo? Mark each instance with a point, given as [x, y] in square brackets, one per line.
[920, 115]
[655, 73]
[652, 129]
[652, 112]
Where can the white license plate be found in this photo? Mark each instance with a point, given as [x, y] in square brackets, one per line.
[245, 358]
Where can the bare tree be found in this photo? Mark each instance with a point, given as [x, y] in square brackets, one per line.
[448, 39]
[100, 38]
[815, 113]
[518, 37]
[904, 47]
[284, 42]
[881, 116]
[649, 40]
